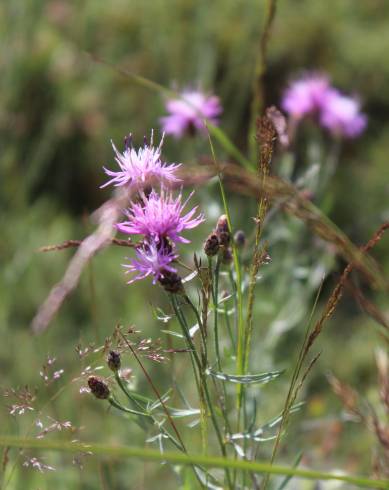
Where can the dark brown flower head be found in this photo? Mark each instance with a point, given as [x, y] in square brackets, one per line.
[113, 361]
[98, 387]
[240, 238]
[211, 245]
[171, 282]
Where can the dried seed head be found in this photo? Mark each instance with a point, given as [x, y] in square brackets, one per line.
[113, 361]
[227, 256]
[171, 282]
[211, 245]
[240, 238]
[98, 387]
[222, 231]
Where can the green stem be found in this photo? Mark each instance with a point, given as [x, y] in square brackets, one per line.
[239, 355]
[200, 324]
[118, 451]
[125, 390]
[215, 294]
[185, 331]
[196, 368]
[203, 377]
[150, 381]
[152, 419]
[119, 406]
[228, 325]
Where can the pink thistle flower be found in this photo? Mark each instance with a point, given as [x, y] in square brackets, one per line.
[305, 96]
[153, 259]
[160, 217]
[141, 168]
[187, 113]
[341, 115]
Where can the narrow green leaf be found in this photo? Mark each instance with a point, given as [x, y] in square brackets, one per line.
[186, 412]
[173, 334]
[185, 459]
[228, 146]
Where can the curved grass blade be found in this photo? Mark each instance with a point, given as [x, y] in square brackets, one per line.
[185, 459]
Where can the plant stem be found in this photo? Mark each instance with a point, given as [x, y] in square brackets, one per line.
[240, 325]
[148, 415]
[228, 325]
[196, 367]
[171, 421]
[202, 330]
[203, 378]
[215, 294]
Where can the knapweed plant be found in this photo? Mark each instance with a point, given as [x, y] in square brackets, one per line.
[223, 307]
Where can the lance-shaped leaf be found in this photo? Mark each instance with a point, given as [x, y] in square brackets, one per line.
[185, 412]
[262, 434]
[246, 379]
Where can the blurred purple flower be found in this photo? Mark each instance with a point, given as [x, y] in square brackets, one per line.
[341, 115]
[153, 259]
[141, 168]
[187, 113]
[305, 96]
[160, 217]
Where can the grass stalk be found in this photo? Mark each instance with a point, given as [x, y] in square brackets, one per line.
[118, 451]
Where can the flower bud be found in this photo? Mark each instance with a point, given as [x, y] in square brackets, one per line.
[222, 231]
[240, 238]
[211, 245]
[113, 361]
[98, 387]
[227, 256]
[171, 282]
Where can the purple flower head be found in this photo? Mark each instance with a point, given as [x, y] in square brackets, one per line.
[187, 113]
[305, 96]
[341, 115]
[141, 168]
[160, 217]
[152, 259]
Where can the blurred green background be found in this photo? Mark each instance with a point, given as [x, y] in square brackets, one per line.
[58, 111]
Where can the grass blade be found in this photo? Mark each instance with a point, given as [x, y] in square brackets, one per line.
[184, 459]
